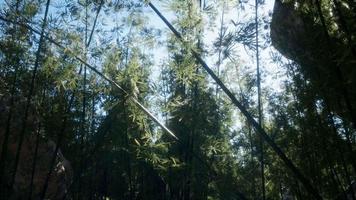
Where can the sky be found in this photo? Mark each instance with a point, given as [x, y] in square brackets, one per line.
[246, 59]
[160, 52]
[272, 76]
[210, 36]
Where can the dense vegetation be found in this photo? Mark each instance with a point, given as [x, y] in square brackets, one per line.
[91, 109]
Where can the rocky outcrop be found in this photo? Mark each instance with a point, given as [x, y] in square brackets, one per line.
[327, 60]
[62, 173]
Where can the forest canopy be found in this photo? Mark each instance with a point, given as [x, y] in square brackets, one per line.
[177, 99]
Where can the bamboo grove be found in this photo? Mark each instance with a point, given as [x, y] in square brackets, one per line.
[177, 99]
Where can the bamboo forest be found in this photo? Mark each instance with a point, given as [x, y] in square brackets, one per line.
[177, 99]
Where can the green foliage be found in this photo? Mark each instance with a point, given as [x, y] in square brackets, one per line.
[117, 152]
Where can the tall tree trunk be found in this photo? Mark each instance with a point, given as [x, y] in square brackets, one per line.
[259, 104]
[252, 161]
[306, 183]
[128, 155]
[29, 96]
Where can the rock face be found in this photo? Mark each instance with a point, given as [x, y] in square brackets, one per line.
[62, 173]
[327, 60]
[60, 178]
[288, 30]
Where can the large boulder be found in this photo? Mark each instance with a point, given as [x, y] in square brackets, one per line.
[327, 61]
[62, 173]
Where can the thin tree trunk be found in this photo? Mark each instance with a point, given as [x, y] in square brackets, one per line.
[128, 155]
[34, 160]
[29, 97]
[338, 71]
[339, 149]
[4, 149]
[83, 120]
[306, 183]
[34, 164]
[221, 35]
[87, 41]
[259, 105]
[160, 124]
[5, 144]
[252, 162]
